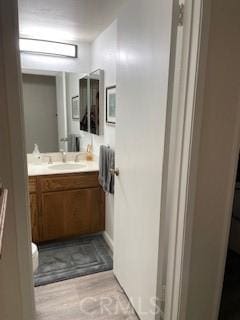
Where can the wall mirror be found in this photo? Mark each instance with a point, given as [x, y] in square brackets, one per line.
[55, 103]
[41, 111]
[91, 94]
[52, 109]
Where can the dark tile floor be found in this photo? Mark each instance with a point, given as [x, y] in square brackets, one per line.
[230, 303]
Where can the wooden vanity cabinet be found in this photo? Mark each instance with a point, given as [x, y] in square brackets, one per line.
[34, 209]
[67, 205]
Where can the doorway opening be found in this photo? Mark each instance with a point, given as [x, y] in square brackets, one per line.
[69, 181]
[230, 308]
[70, 115]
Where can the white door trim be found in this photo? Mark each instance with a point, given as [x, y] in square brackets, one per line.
[181, 203]
[183, 151]
[16, 260]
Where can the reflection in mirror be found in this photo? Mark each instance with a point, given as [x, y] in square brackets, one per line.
[84, 98]
[94, 103]
[91, 92]
[96, 83]
[40, 112]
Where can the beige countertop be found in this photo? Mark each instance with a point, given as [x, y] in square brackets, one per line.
[49, 169]
[38, 168]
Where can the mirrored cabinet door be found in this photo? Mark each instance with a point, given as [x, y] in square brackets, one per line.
[84, 102]
[94, 105]
[91, 93]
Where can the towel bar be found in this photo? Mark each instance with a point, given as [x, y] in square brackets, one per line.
[3, 207]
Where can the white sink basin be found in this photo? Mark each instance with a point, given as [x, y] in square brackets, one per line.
[66, 166]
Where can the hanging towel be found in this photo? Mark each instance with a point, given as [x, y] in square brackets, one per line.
[106, 162]
[103, 170]
[111, 165]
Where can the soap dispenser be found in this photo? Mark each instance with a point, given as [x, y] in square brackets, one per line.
[89, 154]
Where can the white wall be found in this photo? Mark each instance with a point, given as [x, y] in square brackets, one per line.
[103, 56]
[41, 62]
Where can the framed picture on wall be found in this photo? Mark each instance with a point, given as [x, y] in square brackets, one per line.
[75, 108]
[111, 105]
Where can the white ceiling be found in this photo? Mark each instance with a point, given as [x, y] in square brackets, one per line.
[66, 20]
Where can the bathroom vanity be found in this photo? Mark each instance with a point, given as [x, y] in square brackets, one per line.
[65, 204]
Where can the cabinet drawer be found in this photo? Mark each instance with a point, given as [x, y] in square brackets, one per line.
[70, 182]
[32, 181]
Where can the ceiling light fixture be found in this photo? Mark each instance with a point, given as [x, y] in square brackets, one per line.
[48, 47]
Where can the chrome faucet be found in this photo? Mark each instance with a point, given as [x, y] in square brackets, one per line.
[64, 156]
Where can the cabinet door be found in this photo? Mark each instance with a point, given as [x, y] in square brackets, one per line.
[97, 210]
[78, 211]
[71, 213]
[34, 217]
[84, 211]
[53, 211]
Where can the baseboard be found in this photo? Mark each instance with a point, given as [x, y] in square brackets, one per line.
[108, 239]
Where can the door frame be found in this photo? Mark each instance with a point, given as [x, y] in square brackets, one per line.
[182, 156]
[184, 164]
[16, 262]
[180, 204]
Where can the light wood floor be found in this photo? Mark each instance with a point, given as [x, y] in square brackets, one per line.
[97, 297]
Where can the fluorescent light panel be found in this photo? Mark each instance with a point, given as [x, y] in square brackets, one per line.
[48, 48]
